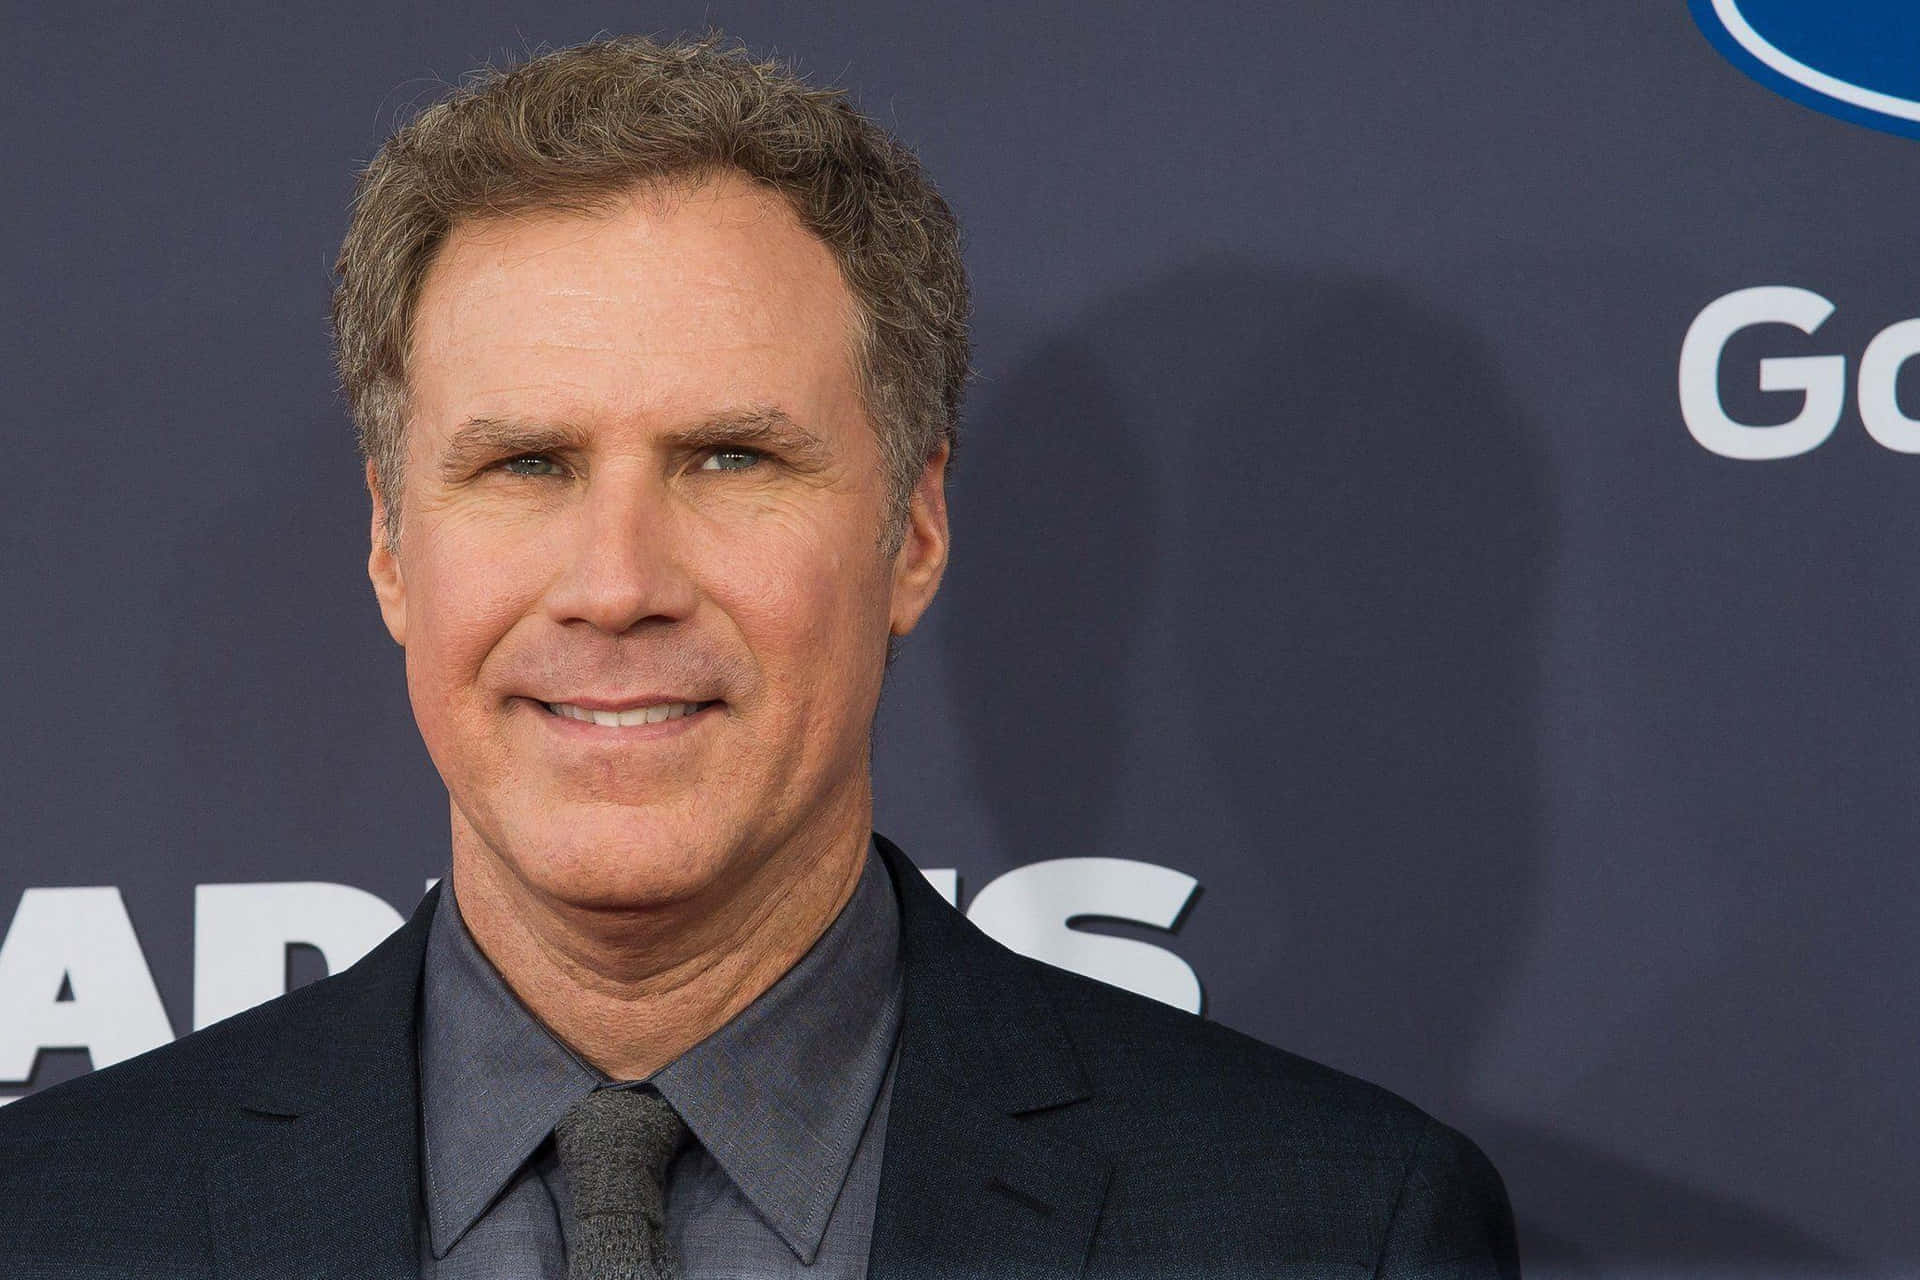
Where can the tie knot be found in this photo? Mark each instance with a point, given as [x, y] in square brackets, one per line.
[614, 1145]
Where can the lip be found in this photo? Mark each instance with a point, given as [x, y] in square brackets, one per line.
[584, 731]
[625, 703]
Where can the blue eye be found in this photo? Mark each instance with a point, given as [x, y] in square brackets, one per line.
[730, 460]
[531, 464]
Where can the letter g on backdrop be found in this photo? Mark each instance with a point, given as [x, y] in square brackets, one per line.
[1859, 61]
[1854, 59]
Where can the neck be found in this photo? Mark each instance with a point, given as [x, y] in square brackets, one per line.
[630, 991]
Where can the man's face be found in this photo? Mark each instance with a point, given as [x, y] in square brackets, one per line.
[640, 484]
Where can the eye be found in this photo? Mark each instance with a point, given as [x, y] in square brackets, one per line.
[730, 460]
[531, 464]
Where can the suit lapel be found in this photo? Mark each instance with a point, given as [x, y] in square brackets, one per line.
[317, 1173]
[967, 1189]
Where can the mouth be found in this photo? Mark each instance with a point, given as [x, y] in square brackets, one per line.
[627, 717]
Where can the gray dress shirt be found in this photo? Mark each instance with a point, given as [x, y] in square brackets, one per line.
[786, 1104]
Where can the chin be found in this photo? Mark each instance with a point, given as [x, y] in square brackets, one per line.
[623, 863]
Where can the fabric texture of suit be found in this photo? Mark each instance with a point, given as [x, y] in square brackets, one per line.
[1042, 1124]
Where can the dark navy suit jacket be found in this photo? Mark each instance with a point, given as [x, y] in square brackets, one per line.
[1042, 1124]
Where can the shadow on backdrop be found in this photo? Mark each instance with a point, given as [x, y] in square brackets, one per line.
[1359, 582]
[1044, 722]
[283, 617]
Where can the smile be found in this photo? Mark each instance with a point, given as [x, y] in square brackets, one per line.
[654, 714]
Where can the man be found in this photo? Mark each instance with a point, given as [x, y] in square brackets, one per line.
[656, 355]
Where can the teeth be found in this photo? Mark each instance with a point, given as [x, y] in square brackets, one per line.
[632, 716]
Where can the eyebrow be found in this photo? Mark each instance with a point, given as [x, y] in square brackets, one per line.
[479, 440]
[762, 427]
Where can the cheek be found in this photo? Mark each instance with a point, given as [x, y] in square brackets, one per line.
[812, 607]
[461, 599]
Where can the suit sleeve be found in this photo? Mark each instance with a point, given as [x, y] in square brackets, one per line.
[1452, 1220]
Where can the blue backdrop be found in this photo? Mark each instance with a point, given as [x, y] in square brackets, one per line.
[1493, 709]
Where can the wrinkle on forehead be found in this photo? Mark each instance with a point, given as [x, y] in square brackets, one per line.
[683, 306]
[482, 268]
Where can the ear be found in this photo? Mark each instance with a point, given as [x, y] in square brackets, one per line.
[922, 558]
[383, 567]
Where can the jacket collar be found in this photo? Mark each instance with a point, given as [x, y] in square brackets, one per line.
[974, 1009]
[323, 1177]
[967, 1189]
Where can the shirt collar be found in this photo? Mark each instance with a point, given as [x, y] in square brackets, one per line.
[779, 1096]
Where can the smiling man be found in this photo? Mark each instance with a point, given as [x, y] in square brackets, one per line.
[645, 572]
[656, 353]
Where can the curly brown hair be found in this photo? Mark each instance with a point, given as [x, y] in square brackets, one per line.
[574, 129]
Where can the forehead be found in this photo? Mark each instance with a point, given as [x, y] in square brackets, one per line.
[668, 300]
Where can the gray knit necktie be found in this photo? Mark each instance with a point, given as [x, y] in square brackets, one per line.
[614, 1145]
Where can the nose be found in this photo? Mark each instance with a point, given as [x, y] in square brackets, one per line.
[622, 556]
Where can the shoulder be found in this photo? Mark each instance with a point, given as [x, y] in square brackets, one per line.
[293, 1048]
[180, 1082]
[1208, 1074]
[113, 1160]
[1284, 1152]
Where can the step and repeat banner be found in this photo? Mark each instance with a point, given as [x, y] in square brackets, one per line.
[1436, 575]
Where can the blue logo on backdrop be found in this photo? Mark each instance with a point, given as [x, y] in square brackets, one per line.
[1855, 59]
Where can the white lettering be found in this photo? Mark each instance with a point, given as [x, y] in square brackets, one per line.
[1031, 909]
[1822, 378]
[84, 939]
[1879, 403]
[945, 882]
[241, 933]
